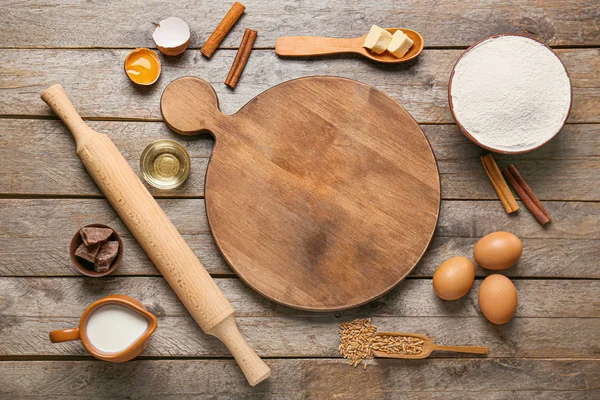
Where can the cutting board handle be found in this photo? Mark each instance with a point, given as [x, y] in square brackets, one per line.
[190, 106]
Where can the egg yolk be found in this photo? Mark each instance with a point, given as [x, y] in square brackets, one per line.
[142, 67]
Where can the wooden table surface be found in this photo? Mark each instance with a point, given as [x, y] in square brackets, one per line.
[551, 349]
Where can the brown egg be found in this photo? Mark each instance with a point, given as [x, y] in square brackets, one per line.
[498, 251]
[454, 278]
[498, 298]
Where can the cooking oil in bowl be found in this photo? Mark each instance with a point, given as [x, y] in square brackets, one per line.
[165, 164]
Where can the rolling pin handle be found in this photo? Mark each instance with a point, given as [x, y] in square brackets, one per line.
[56, 97]
[255, 370]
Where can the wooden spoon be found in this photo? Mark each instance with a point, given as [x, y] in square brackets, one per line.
[428, 347]
[296, 46]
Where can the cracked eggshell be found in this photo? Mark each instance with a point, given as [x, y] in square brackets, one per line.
[172, 36]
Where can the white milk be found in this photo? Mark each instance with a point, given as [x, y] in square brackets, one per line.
[113, 328]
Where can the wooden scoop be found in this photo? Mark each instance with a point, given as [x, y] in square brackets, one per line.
[297, 46]
[428, 347]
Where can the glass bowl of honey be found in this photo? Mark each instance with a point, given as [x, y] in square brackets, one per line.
[165, 164]
[142, 66]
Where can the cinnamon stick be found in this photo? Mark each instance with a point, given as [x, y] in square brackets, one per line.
[504, 194]
[232, 16]
[529, 198]
[241, 58]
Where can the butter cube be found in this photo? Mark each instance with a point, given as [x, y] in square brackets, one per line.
[377, 40]
[400, 44]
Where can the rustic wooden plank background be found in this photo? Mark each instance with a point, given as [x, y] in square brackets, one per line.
[550, 350]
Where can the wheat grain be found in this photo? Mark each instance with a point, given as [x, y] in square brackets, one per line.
[358, 341]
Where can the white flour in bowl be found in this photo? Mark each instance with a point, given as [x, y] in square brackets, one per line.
[510, 93]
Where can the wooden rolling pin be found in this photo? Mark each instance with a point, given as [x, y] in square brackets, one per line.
[156, 234]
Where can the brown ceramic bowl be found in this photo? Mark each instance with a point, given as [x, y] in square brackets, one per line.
[462, 128]
[87, 268]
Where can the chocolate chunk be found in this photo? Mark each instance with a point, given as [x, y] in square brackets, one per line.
[101, 266]
[91, 235]
[106, 255]
[88, 253]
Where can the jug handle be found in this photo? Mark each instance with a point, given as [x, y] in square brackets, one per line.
[64, 335]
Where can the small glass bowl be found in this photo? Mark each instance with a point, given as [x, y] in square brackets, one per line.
[165, 164]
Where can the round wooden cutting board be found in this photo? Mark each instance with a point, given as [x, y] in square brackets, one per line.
[322, 193]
